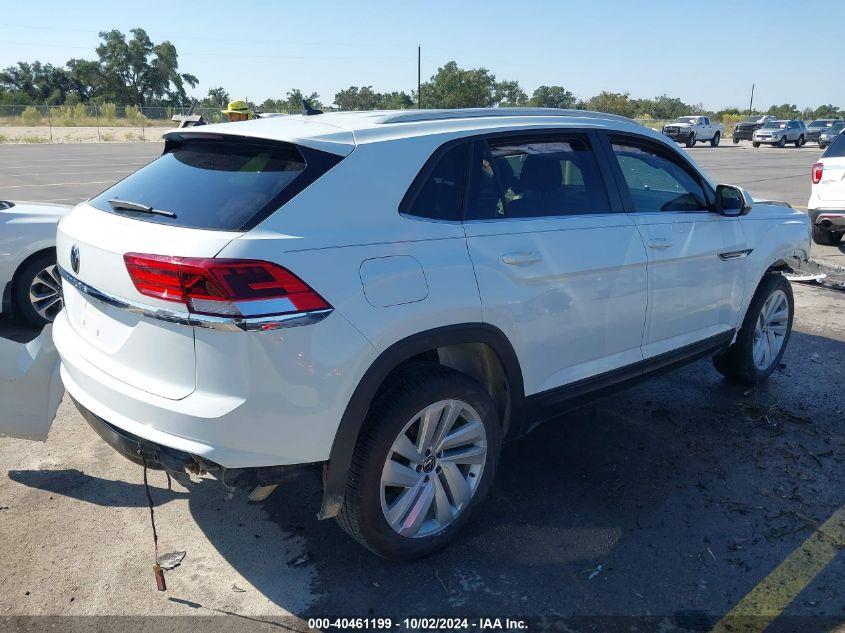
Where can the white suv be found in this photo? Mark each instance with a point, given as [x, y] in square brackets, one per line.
[391, 295]
[827, 197]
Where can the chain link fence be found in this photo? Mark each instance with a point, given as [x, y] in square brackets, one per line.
[90, 122]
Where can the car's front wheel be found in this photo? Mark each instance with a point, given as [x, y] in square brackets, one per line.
[755, 144]
[426, 456]
[37, 290]
[736, 141]
[765, 332]
[690, 140]
[782, 142]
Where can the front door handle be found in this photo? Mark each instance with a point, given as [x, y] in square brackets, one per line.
[521, 259]
[659, 243]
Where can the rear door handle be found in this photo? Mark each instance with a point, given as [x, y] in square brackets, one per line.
[521, 259]
[659, 243]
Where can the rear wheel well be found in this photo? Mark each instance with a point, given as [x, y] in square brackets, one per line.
[479, 361]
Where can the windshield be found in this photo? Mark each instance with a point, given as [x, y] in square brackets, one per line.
[821, 123]
[751, 119]
[685, 119]
[208, 184]
[775, 125]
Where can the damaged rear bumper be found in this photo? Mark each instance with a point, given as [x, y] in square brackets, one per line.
[177, 463]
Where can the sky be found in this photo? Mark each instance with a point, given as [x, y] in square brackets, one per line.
[709, 52]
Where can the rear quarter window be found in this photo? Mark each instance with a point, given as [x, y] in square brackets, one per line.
[837, 148]
[218, 185]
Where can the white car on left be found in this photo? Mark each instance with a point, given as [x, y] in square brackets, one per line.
[29, 281]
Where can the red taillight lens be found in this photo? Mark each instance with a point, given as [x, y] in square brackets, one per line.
[818, 168]
[222, 287]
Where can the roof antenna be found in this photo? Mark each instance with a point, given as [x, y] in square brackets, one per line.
[308, 110]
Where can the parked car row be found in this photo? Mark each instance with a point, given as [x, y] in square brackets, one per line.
[762, 129]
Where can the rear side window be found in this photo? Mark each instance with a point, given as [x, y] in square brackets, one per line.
[438, 190]
[837, 148]
[543, 177]
[209, 184]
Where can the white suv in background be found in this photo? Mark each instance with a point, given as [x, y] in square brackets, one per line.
[391, 295]
[827, 197]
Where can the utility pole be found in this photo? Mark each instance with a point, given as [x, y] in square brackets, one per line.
[419, 77]
[751, 105]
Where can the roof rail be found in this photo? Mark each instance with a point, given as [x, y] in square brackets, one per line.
[474, 113]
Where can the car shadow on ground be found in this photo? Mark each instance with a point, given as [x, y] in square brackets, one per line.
[681, 493]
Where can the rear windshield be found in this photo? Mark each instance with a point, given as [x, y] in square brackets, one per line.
[220, 185]
[836, 149]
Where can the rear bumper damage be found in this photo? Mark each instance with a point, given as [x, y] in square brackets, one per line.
[180, 463]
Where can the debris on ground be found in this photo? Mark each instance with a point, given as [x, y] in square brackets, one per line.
[237, 589]
[299, 560]
[171, 560]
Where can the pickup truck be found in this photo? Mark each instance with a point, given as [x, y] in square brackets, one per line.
[691, 129]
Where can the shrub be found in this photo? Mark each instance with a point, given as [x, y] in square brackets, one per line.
[108, 111]
[31, 116]
[134, 116]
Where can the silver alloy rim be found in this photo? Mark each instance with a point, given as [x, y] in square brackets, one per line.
[770, 331]
[45, 293]
[433, 468]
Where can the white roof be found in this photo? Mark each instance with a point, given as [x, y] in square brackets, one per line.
[340, 132]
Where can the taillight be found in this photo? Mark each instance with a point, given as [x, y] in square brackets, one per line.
[222, 287]
[818, 168]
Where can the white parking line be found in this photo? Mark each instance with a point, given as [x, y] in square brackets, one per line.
[36, 165]
[73, 173]
[61, 184]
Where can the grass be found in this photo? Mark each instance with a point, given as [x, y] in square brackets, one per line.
[32, 138]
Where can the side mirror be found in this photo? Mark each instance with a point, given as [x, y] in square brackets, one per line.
[732, 201]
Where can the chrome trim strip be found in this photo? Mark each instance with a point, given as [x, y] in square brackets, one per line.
[226, 324]
[735, 254]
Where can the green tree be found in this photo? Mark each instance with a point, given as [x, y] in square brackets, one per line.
[612, 103]
[785, 111]
[552, 97]
[508, 94]
[355, 98]
[454, 87]
[395, 101]
[827, 111]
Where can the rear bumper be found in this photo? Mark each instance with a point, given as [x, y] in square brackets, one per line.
[262, 398]
[829, 218]
[158, 457]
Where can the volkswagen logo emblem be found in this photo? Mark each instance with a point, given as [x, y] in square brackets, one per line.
[74, 258]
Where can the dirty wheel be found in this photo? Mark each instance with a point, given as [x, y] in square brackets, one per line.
[714, 142]
[38, 290]
[425, 458]
[690, 140]
[824, 237]
[755, 144]
[782, 141]
[765, 332]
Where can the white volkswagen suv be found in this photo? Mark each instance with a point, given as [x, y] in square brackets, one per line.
[391, 295]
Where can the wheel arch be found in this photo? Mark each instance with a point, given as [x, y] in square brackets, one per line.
[462, 347]
[9, 290]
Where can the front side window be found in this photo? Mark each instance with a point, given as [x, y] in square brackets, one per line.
[542, 177]
[657, 181]
[439, 196]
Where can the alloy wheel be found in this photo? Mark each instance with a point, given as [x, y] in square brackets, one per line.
[770, 330]
[433, 468]
[45, 293]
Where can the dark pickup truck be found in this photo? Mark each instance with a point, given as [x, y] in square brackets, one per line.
[744, 130]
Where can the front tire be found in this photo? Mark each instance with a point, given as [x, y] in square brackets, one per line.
[799, 142]
[690, 140]
[782, 142]
[425, 458]
[755, 144]
[824, 237]
[736, 141]
[764, 335]
[37, 290]
[714, 142]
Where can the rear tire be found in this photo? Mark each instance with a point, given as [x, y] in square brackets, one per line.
[714, 142]
[442, 492]
[690, 140]
[825, 237]
[764, 334]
